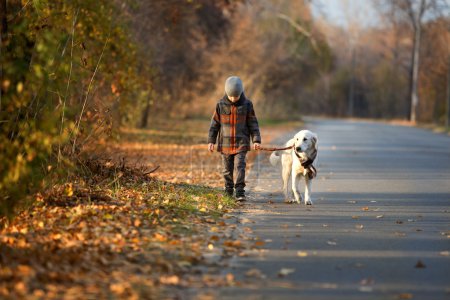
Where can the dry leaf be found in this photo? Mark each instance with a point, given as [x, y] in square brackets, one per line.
[420, 265]
[285, 271]
[259, 243]
[302, 253]
[254, 273]
[169, 280]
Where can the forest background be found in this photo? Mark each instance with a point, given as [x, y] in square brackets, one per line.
[77, 74]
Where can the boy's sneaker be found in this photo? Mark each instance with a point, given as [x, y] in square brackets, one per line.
[229, 193]
[240, 196]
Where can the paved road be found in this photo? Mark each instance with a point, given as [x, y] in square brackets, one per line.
[379, 227]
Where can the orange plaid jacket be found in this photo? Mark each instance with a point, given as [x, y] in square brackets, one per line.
[232, 126]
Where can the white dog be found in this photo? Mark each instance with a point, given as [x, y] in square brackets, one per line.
[298, 161]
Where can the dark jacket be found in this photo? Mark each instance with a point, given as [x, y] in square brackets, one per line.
[233, 124]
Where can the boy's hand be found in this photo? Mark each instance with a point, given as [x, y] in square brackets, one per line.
[256, 146]
[210, 147]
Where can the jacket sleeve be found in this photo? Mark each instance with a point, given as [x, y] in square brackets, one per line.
[214, 127]
[252, 123]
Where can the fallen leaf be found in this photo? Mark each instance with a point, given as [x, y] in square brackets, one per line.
[234, 244]
[285, 271]
[118, 288]
[366, 208]
[229, 278]
[302, 253]
[259, 243]
[214, 238]
[380, 216]
[359, 226]
[405, 296]
[256, 273]
[420, 265]
[444, 253]
[169, 280]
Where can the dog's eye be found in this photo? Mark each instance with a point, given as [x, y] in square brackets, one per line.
[305, 139]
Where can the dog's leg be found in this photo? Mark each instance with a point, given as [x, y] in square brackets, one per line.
[308, 191]
[286, 172]
[295, 187]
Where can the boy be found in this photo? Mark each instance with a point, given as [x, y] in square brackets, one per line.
[234, 121]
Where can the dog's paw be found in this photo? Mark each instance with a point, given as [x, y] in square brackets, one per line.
[308, 202]
[290, 201]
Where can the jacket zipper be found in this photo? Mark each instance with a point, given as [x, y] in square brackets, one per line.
[233, 128]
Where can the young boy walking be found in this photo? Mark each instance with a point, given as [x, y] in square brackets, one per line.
[232, 125]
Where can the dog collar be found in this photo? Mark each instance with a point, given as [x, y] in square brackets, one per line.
[309, 161]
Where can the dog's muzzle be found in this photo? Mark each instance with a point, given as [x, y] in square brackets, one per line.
[298, 149]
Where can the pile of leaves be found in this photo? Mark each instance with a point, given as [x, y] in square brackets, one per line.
[116, 232]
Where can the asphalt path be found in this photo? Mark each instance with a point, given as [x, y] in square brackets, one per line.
[379, 227]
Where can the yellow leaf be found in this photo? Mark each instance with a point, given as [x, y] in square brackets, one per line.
[170, 280]
[19, 87]
[302, 253]
[69, 190]
[108, 217]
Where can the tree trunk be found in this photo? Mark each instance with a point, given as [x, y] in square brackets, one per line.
[145, 114]
[415, 72]
[447, 107]
[351, 92]
[4, 23]
[3, 33]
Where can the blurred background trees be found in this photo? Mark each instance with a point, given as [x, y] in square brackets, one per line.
[74, 72]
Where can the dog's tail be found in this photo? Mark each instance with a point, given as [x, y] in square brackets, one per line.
[275, 158]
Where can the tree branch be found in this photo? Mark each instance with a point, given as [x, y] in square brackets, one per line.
[299, 28]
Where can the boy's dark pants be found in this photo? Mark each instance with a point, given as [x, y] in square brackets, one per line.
[228, 168]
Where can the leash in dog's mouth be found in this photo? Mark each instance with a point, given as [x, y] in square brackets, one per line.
[308, 164]
[312, 172]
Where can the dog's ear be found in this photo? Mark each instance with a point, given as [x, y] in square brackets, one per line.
[314, 141]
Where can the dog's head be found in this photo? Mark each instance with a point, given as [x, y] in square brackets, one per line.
[305, 141]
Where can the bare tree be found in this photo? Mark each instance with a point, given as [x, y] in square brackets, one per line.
[416, 11]
[3, 32]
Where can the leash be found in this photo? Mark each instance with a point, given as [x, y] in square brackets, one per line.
[275, 149]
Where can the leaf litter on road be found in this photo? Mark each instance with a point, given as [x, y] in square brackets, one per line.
[283, 272]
